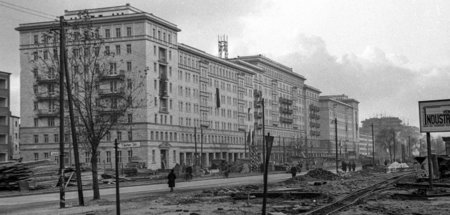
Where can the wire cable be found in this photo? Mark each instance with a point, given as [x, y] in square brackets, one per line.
[42, 15]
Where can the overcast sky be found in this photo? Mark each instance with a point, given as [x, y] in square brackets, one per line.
[386, 54]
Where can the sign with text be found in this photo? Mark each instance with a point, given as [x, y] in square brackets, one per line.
[129, 145]
[434, 116]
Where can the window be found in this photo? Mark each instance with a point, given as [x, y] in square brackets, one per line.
[107, 33]
[45, 55]
[108, 136]
[45, 155]
[35, 105]
[36, 156]
[130, 155]
[130, 118]
[36, 39]
[36, 138]
[56, 137]
[108, 156]
[119, 154]
[51, 121]
[128, 48]
[117, 49]
[107, 50]
[45, 138]
[128, 31]
[129, 66]
[129, 84]
[119, 135]
[153, 156]
[35, 55]
[118, 34]
[36, 122]
[130, 135]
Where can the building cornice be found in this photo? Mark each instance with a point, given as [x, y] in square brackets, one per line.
[269, 62]
[192, 50]
[101, 20]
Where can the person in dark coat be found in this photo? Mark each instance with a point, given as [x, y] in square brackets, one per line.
[171, 180]
[344, 166]
[353, 166]
[188, 174]
[293, 171]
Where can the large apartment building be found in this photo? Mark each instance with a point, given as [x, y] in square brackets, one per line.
[345, 111]
[6, 149]
[195, 102]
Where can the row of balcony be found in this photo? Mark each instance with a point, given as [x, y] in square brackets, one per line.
[286, 101]
[314, 116]
[112, 76]
[286, 110]
[313, 108]
[314, 133]
[286, 120]
[118, 92]
[47, 112]
[47, 80]
[314, 125]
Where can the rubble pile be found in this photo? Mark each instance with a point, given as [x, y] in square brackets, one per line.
[322, 174]
[11, 174]
[39, 173]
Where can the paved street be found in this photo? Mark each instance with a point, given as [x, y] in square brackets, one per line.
[9, 204]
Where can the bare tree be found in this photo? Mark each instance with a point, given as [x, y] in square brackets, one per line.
[384, 142]
[104, 88]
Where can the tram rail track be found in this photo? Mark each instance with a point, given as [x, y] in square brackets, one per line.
[355, 197]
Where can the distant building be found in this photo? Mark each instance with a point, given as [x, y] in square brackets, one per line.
[6, 149]
[345, 110]
[365, 145]
[380, 123]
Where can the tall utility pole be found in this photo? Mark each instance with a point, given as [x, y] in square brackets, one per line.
[394, 144]
[74, 132]
[409, 147]
[195, 142]
[201, 146]
[336, 139]
[373, 147]
[116, 155]
[62, 51]
[263, 130]
[430, 168]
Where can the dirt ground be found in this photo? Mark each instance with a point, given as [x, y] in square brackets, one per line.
[220, 201]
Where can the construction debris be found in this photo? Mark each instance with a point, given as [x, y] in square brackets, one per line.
[322, 174]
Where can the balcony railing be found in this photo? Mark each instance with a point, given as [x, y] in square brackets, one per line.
[286, 120]
[47, 80]
[119, 92]
[47, 112]
[112, 76]
[286, 110]
[47, 96]
[162, 60]
[286, 101]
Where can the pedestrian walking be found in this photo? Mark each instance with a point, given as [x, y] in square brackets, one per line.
[344, 166]
[188, 174]
[353, 166]
[293, 171]
[171, 180]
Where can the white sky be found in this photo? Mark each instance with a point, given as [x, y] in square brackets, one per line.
[386, 54]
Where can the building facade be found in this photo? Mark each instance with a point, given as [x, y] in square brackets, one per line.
[365, 146]
[198, 107]
[345, 111]
[312, 120]
[282, 91]
[5, 114]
